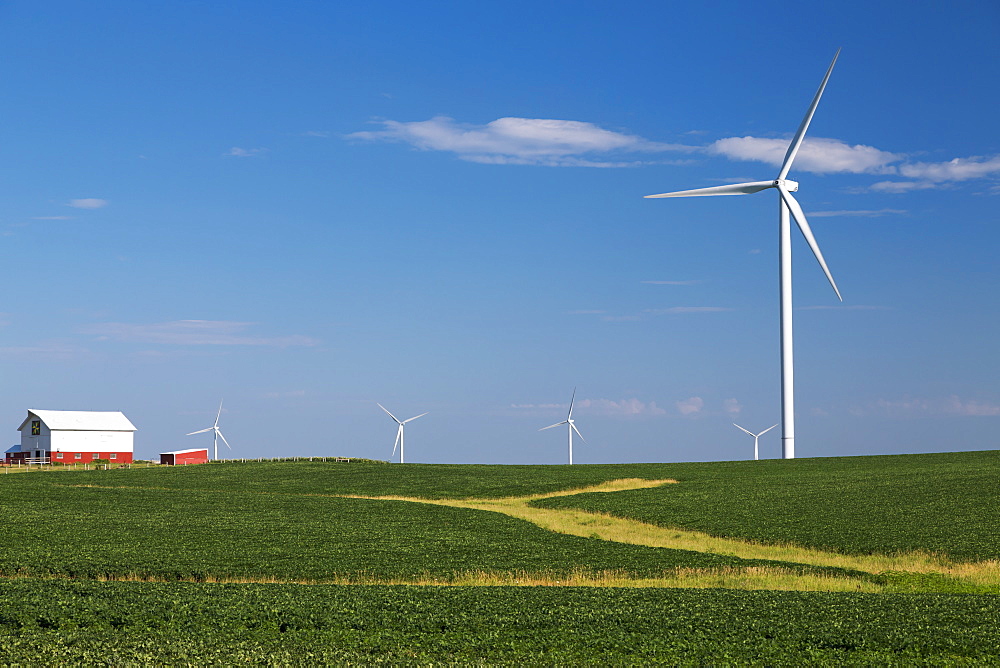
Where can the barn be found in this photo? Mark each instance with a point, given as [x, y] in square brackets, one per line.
[182, 457]
[73, 437]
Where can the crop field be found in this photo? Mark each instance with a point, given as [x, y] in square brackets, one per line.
[943, 503]
[115, 623]
[776, 562]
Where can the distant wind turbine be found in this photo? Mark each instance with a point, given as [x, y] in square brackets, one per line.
[571, 428]
[786, 203]
[755, 436]
[218, 434]
[399, 432]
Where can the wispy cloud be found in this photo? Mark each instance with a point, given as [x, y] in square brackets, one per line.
[732, 406]
[842, 307]
[817, 154]
[946, 406]
[604, 407]
[192, 333]
[45, 350]
[691, 406]
[676, 310]
[323, 134]
[671, 282]
[621, 318]
[237, 152]
[88, 203]
[621, 407]
[826, 156]
[567, 143]
[863, 213]
[52, 217]
[523, 141]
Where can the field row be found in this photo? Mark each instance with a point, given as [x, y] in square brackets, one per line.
[142, 623]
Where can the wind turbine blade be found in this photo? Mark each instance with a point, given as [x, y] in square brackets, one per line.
[744, 430]
[557, 424]
[800, 219]
[388, 413]
[399, 432]
[219, 415]
[571, 401]
[573, 427]
[735, 189]
[219, 432]
[800, 134]
[200, 431]
[415, 417]
[767, 430]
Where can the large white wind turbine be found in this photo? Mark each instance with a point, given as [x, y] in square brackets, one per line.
[218, 434]
[571, 428]
[755, 437]
[786, 203]
[399, 432]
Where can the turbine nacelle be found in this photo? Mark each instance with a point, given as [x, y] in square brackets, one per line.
[790, 186]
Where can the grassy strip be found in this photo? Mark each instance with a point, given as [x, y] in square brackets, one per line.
[111, 532]
[129, 623]
[946, 504]
[982, 576]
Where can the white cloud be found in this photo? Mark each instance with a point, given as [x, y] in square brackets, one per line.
[88, 203]
[947, 406]
[524, 141]
[959, 169]
[691, 406]
[842, 307]
[621, 318]
[622, 407]
[52, 217]
[606, 407]
[45, 350]
[732, 406]
[323, 134]
[817, 154]
[237, 152]
[870, 213]
[192, 333]
[565, 143]
[674, 310]
[901, 186]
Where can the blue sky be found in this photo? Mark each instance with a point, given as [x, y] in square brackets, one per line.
[307, 208]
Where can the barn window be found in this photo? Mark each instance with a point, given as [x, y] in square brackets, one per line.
[113, 455]
[36, 427]
[58, 455]
[77, 455]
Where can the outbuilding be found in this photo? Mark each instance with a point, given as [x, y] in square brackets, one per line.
[182, 457]
[73, 437]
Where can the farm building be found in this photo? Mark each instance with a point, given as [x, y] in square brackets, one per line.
[73, 437]
[181, 457]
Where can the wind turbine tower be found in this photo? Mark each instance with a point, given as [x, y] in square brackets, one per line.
[571, 426]
[217, 435]
[755, 437]
[399, 432]
[786, 204]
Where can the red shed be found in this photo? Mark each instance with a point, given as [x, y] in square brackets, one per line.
[180, 457]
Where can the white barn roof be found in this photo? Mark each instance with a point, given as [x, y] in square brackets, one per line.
[183, 452]
[80, 420]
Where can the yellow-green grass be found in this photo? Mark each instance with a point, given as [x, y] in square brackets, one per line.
[607, 527]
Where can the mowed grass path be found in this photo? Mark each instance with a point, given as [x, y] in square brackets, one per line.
[85, 525]
[947, 504]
